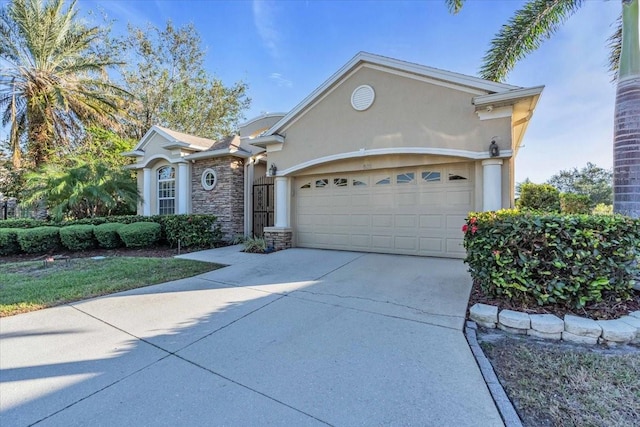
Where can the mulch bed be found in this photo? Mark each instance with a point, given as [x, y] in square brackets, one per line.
[604, 310]
[157, 252]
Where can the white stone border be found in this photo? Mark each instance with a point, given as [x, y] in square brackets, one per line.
[548, 326]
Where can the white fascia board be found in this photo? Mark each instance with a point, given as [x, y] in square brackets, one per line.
[509, 97]
[265, 141]
[365, 57]
[134, 153]
[217, 153]
[260, 117]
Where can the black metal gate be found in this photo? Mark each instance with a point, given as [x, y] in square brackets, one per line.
[263, 204]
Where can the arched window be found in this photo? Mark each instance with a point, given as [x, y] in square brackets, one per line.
[166, 190]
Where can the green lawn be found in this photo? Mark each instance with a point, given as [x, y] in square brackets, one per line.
[28, 286]
[559, 385]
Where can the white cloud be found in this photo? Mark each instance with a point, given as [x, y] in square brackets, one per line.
[280, 80]
[264, 18]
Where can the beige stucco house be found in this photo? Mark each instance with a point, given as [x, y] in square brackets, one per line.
[385, 156]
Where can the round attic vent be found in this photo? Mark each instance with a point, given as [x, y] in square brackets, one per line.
[362, 97]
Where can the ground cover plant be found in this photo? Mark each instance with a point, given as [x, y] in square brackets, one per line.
[33, 285]
[552, 384]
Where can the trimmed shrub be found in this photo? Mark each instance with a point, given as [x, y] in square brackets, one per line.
[22, 223]
[571, 203]
[78, 237]
[140, 234]
[121, 219]
[8, 241]
[107, 235]
[569, 260]
[39, 239]
[191, 230]
[539, 197]
[603, 209]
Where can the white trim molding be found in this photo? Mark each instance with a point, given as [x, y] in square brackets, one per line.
[154, 158]
[471, 155]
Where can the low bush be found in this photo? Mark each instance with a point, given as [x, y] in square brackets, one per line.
[9, 241]
[22, 223]
[140, 234]
[107, 235]
[191, 230]
[256, 245]
[39, 239]
[602, 209]
[570, 260]
[539, 197]
[571, 203]
[78, 237]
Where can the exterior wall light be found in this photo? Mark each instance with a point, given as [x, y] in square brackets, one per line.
[494, 150]
[273, 169]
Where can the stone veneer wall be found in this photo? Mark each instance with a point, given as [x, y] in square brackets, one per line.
[278, 238]
[226, 199]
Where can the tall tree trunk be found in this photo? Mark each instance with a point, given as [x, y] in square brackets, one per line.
[40, 135]
[626, 136]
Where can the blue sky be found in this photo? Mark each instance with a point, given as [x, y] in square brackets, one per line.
[284, 50]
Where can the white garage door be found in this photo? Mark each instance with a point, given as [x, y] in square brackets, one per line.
[415, 211]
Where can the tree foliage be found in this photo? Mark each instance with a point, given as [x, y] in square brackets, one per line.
[85, 189]
[527, 29]
[54, 76]
[591, 181]
[539, 197]
[166, 76]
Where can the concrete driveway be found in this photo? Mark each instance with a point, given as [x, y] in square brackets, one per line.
[298, 337]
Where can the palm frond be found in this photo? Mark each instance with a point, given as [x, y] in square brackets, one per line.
[454, 6]
[614, 43]
[537, 21]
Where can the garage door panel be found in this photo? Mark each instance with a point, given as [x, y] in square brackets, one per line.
[405, 243]
[431, 221]
[360, 220]
[430, 244]
[406, 221]
[392, 211]
[382, 242]
[361, 241]
[384, 221]
[460, 198]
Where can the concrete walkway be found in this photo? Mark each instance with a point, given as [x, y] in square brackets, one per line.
[298, 337]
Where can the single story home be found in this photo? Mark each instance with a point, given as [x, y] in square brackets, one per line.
[385, 156]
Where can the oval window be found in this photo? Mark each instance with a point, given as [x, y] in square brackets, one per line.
[209, 179]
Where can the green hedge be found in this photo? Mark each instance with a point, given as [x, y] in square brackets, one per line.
[570, 260]
[107, 235]
[22, 223]
[140, 234]
[571, 203]
[199, 231]
[78, 237]
[9, 241]
[539, 197]
[39, 239]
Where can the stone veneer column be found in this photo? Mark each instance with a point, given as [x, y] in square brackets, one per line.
[491, 185]
[184, 181]
[281, 235]
[146, 191]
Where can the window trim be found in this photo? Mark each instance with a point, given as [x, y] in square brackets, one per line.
[158, 189]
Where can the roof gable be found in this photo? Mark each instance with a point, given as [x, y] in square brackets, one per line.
[174, 138]
[472, 84]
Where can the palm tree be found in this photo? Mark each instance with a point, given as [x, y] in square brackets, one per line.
[53, 79]
[535, 22]
[82, 189]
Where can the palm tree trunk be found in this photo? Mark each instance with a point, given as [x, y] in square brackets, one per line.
[626, 137]
[40, 136]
